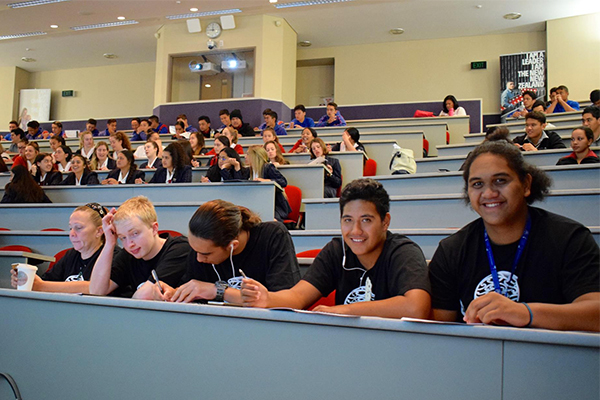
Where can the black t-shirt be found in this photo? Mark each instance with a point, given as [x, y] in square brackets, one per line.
[169, 264]
[401, 267]
[71, 267]
[560, 262]
[269, 257]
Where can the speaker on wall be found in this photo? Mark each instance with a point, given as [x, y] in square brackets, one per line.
[227, 22]
[193, 25]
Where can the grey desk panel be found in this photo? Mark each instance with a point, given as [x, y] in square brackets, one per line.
[449, 211]
[309, 178]
[350, 161]
[567, 373]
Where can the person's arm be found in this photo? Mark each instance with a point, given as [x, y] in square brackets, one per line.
[552, 106]
[335, 179]
[565, 105]
[186, 176]
[273, 174]
[41, 285]
[555, 141]
[100, 282]
[415, 303]
[93, 179]
[583, 314]
[460, 111]
[300, 296]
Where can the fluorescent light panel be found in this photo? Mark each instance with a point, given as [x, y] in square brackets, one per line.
[22, 35]
[105, 25]
[204, 14]
[308, 3]
[33, 3]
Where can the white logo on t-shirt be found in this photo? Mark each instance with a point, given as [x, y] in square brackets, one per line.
[361, 293]
[486, 285]
[74, 278]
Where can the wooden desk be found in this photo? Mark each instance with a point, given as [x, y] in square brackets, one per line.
[266, 353]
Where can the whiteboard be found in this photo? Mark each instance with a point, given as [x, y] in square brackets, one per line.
[34, 104]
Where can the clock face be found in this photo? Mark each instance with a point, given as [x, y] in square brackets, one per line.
[213, 30]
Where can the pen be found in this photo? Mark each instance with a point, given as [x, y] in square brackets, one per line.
[243, 274]
[155, 276]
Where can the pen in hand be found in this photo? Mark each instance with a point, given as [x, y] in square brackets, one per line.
[155, 276]
[243, 274]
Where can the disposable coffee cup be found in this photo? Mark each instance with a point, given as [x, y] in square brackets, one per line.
[25, 276]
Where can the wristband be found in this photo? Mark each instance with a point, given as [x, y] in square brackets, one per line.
[530, 315]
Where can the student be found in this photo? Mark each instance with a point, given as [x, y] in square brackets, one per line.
[350, 142]
[271, 122]
[226, 238]
[301, 146]
[333, 175]
[16, 136]
[204, 125]
[101, 160]
[225, 119]
[12, 125]
[301, 120]
[238, 124]
[138, 133]
[450, 107]
[269, 135]
[135, 223]
[516, 265]
[220, 143]
[35, 131]
[529, 99]
[91, 125]
[111, 128]
[43, 171]
[595, 97]
[71, 274]
[22, 188]
[581, 140]
[80, 173]
[232, 134]
[373, 271]
[197, 142]
[274, 154]
[228, 167]
[63, 155]
[31, 151]
[126, 171]
[57, 129]
[156, 126]
[590, 117]
[151, 150]
[86, 145]
[561, 103]
[333, 116]
[119, 141]
[536, 138]
[260, 169]
[174, 167]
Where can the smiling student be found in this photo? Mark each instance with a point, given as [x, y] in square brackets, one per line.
[373, 271]
[516, 265]
[536, 137]
[135, 223]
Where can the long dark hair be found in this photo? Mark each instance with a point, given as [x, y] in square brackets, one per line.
[221, 221]
[449, 97]
[129, 156]
[22, 188]
[177, 155]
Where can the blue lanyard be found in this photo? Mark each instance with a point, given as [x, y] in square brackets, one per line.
[490, 254]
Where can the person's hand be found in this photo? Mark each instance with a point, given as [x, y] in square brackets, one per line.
[330, 309]
[493, 308]
[262, 180]
[110, 181]
[204, 179]
[225, 164]
[103, 168]
[329, 168]
[254, 293]
[195, 163]
[529, 147]
[139, 180]
[14, 277]
[291, 125]
[235, 163]
[33, 169]
[110, 232]
[45, 135]
[194, 290]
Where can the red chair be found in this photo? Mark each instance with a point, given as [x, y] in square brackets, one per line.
[53, 230]
[425, 146]
[294, 195]
[16, 247]
[370, 168]
[4, 229]
[325, 301]
[172, 233]
[338, 193]
[447, 137]
[57, 257]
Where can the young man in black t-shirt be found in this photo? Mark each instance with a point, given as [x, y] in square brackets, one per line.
[135, 223]
[374, 272]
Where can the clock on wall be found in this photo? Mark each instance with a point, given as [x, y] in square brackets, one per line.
[213, 30]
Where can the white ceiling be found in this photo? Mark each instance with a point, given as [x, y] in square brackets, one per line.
[356, 22]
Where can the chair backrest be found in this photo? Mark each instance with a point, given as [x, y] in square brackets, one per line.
[370, 168]
[294, 195]
[57, 257]
[338, 193]
[4, 229]
[15, 247]
[325, 301]
[172, 233]
[53, 230]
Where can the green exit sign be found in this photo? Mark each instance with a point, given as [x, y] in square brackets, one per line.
[68, 93]
[478, 64]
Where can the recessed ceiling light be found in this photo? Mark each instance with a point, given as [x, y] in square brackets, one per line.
[193, 9]
[204, 14]
[513, 15]
[105, 25]
[397, 31]
[305, 43]
[33, 3]
[22, 35]
[309, 3]
[110, 56]
[28, 59]
[121, 18]
[272, 1]
[207, 85]
[53, 26]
